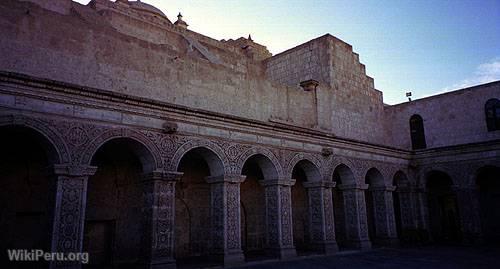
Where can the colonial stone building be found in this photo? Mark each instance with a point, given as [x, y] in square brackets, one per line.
[126, 135]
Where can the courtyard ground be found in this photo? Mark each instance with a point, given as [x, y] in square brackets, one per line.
[441, 257]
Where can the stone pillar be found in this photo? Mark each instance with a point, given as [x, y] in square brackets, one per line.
[69, 211]
[355, 216]
[225, 217]
[469, 212]
[407, 211]
[405, 208]
[158, 219]
[279, 217]
[422, 210]
[322, 223]
[385, 223]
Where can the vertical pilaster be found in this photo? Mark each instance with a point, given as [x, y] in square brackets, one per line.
[279, 217]
[225, 217]
[322, 223]
[422, 216]
[69, 211]
[159, 219]
[385, 223]
[355, 216]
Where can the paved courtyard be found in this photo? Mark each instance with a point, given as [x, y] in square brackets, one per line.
[423, 257]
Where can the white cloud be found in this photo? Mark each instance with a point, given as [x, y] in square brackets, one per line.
[486, 72]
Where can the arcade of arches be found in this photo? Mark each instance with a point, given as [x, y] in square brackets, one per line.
[127, 207]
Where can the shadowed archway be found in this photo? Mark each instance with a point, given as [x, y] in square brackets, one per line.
[113, 230]
[444, 218]
[488, 181]
[27, 191]
[253, 205]
[341, 175]
[303, 171]
[193, 216]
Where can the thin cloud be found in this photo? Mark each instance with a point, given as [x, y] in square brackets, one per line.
[486, 72]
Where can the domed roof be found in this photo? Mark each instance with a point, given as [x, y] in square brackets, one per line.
[140, 6]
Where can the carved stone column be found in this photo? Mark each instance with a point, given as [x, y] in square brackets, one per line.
[322, 223]
[422, 215]
[225, 212]
[407, 213]
[355, 216]
[469, 212]
[69, 211]
[279, 217]
[405, 207]
[385, 223]
[158, 219]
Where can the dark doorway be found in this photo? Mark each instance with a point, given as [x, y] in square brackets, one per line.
[300, 212]
[26, 193]
[488, 180]
[443, 211]
[253, 207]
[113, 231]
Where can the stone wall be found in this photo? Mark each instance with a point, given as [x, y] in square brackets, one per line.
[449, 119]
[126, 55]
[347, 103]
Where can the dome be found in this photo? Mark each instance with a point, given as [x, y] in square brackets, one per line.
[143, 7]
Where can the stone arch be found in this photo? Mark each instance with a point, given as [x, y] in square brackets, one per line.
[423, 174]
[211, 152]
[56, 146]
[442, 206]
[400, 178]
[147, 151]
[310, 165]
[403, 214]
[487, 180]
[27, 194]
[357, 167]
[267, 168]
[374, 178]
[344, 173]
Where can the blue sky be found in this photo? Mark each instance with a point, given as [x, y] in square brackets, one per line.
[427, 47]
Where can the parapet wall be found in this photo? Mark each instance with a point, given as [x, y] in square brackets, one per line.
[104, 48]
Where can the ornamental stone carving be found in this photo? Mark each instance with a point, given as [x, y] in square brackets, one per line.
[279, 217]
[69, 211]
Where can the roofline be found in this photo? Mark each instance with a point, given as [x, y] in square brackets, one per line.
[475, 87]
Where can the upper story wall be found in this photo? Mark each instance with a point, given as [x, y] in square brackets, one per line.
[348, 103]
[449, 119]
[107, 49]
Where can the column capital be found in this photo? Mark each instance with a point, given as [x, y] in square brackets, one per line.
[162, 175]
[277, 181]
[382, 188]
[316, 184]
[353, 186]
[235, 178]
[464, 187]
[73, 170]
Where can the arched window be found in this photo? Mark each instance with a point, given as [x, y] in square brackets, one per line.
[417, 132]
[492, 110]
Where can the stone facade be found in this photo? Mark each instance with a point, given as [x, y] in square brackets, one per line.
[144, 143]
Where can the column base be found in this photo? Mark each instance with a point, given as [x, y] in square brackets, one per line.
[387, 242]
[283, 253]
[359, 244]
[326, 248]
[163, 263]
[230, 259]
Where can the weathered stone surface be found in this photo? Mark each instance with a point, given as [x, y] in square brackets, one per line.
[117, 86]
